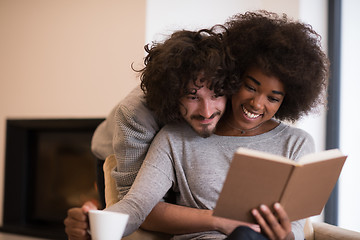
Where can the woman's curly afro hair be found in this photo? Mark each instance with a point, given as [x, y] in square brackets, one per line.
[280, 47]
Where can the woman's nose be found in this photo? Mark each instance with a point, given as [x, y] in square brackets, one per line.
[257, 102]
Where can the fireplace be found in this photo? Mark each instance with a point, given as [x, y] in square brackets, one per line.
[49, 168]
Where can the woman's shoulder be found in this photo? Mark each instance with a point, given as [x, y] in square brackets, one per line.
[295, 136]
[177, 129]
[293, 131]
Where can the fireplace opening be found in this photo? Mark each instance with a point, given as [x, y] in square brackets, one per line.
[49, 168]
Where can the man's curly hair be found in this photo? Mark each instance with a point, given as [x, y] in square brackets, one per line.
[171, 65]
[283, 48]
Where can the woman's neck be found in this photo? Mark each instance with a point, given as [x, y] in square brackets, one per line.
[225, 127]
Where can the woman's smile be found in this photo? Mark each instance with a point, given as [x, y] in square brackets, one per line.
[250, 115]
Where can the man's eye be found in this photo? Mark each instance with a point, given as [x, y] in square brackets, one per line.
[192, 97]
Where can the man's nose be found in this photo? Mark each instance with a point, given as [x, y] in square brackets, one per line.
[205, 108]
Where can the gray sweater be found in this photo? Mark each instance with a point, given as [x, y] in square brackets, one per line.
[196, 168]
[128, 132]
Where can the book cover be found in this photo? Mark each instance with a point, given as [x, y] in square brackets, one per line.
[256, 178]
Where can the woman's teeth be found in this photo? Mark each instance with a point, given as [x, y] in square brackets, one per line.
[249, 114]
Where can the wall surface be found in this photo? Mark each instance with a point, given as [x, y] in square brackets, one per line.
[66, 59]
[163, 17]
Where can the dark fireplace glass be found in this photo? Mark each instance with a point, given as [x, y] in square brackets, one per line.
[64, 174]
[49, 169]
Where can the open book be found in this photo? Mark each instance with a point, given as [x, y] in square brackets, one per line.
[255, 178]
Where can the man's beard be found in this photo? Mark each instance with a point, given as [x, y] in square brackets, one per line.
[205, 131]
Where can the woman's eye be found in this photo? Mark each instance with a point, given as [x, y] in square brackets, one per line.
[249, 87]
[272, 99]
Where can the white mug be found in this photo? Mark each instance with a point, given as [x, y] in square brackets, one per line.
[106, 225]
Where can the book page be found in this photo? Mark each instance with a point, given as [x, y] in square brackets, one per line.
[264, 155]
[320, 156]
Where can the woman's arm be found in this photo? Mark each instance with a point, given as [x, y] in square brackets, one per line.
[175, 219]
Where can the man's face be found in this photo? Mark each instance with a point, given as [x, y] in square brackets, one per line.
[202, 108]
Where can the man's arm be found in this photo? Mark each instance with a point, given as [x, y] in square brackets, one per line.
[135, 128]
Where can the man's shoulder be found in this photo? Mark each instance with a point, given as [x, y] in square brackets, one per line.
[134, 99]
[134, 103]
[134, 110]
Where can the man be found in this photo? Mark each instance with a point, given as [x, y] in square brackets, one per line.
[170, 66]
[183, 80]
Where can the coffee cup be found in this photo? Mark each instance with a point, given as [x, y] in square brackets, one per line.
[106, 225]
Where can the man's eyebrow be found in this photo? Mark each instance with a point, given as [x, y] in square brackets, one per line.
[190, 91]
[258, 83]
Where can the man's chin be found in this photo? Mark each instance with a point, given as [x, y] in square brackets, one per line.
[205, 132]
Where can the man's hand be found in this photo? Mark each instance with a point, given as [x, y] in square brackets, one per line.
[274, 227]
[76, 222]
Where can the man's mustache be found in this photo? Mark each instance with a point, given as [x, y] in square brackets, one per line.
[199, 117]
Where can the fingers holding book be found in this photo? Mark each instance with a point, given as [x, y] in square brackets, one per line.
[275, 225]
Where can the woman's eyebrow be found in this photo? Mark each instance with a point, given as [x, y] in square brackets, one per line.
[278, 92]
[259, 83]
[254, 80]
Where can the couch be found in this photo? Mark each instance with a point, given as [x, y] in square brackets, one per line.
[312, 230]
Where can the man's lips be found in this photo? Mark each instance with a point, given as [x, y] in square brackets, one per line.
[204, 120]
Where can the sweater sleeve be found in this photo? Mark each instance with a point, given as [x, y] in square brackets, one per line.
[156, 176]
[101, 142]
[135, 128]
[148, 189]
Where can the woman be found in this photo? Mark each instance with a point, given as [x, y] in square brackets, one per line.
[285, 77]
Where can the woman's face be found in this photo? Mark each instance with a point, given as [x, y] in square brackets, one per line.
[257, 100]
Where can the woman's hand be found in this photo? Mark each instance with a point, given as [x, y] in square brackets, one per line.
[227, 226]
[274, 227]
